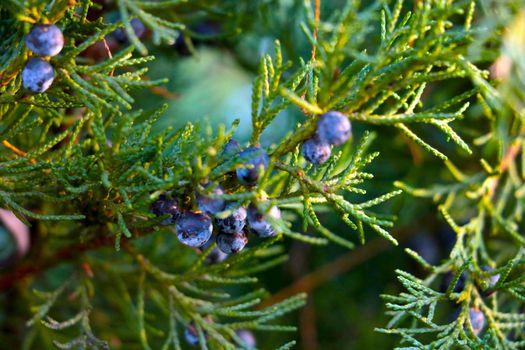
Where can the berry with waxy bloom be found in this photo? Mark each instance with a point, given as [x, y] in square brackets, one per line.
[38, 75]
[45, 40]
[194, 229]
[477, 320]
[259, 225]
[232, 147]
[316, 151]
[257, 162]
[164, 205]
[191, 335]
[493, 278]
[334, 128]
[247, 338]
[215, 256]
[231, 243]
[209, 205]
[235, 221]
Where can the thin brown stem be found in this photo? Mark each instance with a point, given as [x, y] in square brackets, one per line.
[16, 150]
[317, 18]
[509, 156]
[68, 253]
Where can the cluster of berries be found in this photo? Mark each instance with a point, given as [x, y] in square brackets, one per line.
[47, 40]
[43, 40]
[195, 228]
[333, 129]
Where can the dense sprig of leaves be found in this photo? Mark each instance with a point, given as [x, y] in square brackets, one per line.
[489, 235]
[84, 154]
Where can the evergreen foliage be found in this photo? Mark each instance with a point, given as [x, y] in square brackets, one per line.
[83, 166]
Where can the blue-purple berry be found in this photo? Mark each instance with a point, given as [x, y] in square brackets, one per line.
[234, 222]
[257, 163]
[138, 27]
[45, 40]
[194, 229]
[232, 147]
[231, 243]
[334, 128]
[37, 75]
[477, 320]
[316, 151]
[247, 339]
[191, 335]
[164, 205]
[215, 256]
[121, 36]
[209, 205]
[447, 280]
[258, 224]
[493, 279]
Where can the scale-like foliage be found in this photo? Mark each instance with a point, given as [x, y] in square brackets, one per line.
[486, 261]
[83, 166]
